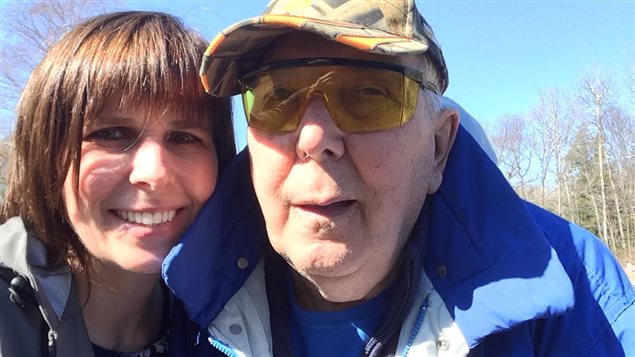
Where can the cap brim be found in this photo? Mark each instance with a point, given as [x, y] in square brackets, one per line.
[241, 46]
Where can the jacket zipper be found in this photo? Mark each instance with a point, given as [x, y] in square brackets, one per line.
[374, 346]
[223, 348]
[52, 343]
[417, 326]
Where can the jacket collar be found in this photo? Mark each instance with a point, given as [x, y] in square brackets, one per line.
[487, 257]
[22, 252]
[221, 248]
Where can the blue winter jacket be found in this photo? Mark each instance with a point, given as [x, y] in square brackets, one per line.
[516, 279]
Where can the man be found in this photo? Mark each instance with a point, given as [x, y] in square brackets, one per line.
[390, 232]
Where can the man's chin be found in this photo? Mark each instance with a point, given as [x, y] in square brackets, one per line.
[334, 267]
[326, 295]
[336, 284]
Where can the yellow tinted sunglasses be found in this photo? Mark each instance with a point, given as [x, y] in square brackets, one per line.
[361, 96]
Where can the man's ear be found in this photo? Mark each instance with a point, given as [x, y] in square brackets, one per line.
[446, 125]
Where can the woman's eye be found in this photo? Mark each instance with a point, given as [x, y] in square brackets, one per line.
[110, 134]
[182, 138]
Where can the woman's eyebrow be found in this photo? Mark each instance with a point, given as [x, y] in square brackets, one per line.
[114, 119]
[121, 119]
[191, 124]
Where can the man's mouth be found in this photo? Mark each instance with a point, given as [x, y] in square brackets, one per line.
[147, 218]
[328, 209]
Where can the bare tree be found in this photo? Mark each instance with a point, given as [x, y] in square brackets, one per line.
[597, 96]
[593, 95]
[511, 144]
[552, 132]
[31, 27]
[620, 136]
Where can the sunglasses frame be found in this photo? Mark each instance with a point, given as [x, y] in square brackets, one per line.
[415, 75]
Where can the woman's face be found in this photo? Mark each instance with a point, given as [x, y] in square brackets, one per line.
[143, 176]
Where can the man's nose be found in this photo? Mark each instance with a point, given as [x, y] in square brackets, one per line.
[319, 137]
[150, 165]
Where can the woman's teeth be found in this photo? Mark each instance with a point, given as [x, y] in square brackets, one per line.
[147, 218]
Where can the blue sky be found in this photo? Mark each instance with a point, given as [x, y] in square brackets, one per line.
[499, 53]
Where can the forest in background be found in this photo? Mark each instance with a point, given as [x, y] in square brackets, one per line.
[572, 153]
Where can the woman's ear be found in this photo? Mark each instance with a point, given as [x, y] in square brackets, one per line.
[446, 125]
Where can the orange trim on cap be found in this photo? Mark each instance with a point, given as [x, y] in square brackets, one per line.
[292, 21]
[205, 82]
[214, 44]
[208, 52]
[366, 43]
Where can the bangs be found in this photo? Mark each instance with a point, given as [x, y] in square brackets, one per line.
[154, 65]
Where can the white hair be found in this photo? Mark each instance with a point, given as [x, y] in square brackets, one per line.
[431, 74]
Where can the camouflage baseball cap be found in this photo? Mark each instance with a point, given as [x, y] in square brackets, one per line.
[389, 27]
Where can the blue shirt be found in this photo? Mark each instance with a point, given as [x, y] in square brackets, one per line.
[347, 331]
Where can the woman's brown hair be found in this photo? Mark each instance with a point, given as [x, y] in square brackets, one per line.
[128, 57]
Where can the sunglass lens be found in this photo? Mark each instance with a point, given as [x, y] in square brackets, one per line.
[359, 99]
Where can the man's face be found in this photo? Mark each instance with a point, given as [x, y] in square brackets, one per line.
[340, 206]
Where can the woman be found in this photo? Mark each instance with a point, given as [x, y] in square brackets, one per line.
[117, 147]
